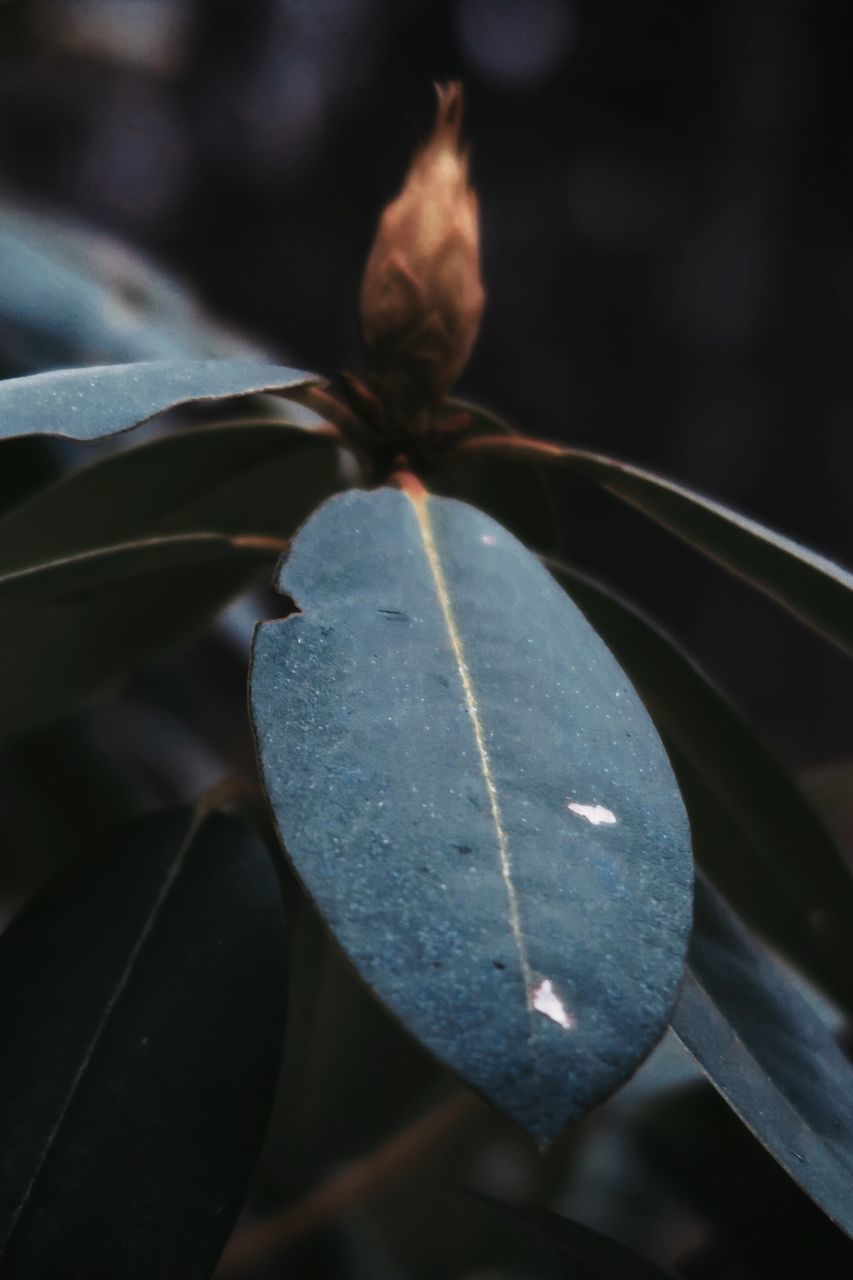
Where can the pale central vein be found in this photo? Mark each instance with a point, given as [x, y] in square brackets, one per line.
[420, 505]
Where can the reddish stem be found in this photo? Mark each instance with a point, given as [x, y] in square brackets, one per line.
[519, 446]
[409, 483]
[351, 1188]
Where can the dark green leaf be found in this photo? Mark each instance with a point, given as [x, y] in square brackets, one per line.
[83, 574]
[812, 587]
[774, 1060]
[228, 480]
[784, 873]
[829, 787]
[475, 798]
[70, 628]
[142, 1000]
[86, 404]
[514, 493]
[607, 1257]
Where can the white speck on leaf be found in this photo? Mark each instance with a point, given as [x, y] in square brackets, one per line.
[594, 813]
[544, 999]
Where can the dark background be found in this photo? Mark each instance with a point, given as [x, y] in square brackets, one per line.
[667, 210]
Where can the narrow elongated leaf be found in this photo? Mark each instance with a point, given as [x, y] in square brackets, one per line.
[142, 999]
[70, 628]
[765, 1049]
[787, 877]
[226, 480]
[89, 403]
[605, 1256]
[87, 572]
[810, 586]
[475, 798]
[516, 494]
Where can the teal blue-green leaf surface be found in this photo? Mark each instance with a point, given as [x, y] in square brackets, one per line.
[774, 1060]
[812, 587]
[776, 862]
[475, 798]
[104, 400]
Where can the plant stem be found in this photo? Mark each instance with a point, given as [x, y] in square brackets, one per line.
[351, 1188]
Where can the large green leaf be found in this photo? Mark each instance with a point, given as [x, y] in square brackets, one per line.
[783, 872]
[815, 589]
[86, 404]
[142, 999]
[475, 798]
[228, 480]
[774, 1060]
[72, 627]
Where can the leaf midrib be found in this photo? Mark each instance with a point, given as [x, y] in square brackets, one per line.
[421, 510]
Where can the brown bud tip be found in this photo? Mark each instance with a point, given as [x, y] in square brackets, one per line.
[422, 296]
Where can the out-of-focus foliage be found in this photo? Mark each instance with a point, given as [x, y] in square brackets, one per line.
[667, 256]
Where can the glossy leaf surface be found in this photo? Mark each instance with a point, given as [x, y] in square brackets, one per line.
[475, 798]
[89, 403]
[812, 587]
[69, 628]
[142, 999]
[763, 1046]
[225, 480]
[781, 867]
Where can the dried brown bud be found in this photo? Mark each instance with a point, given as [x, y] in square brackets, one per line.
[422, 296]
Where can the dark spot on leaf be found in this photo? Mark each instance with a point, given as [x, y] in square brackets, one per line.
[498, 964]
[437, 964]
[462, 848]
[394, 615]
